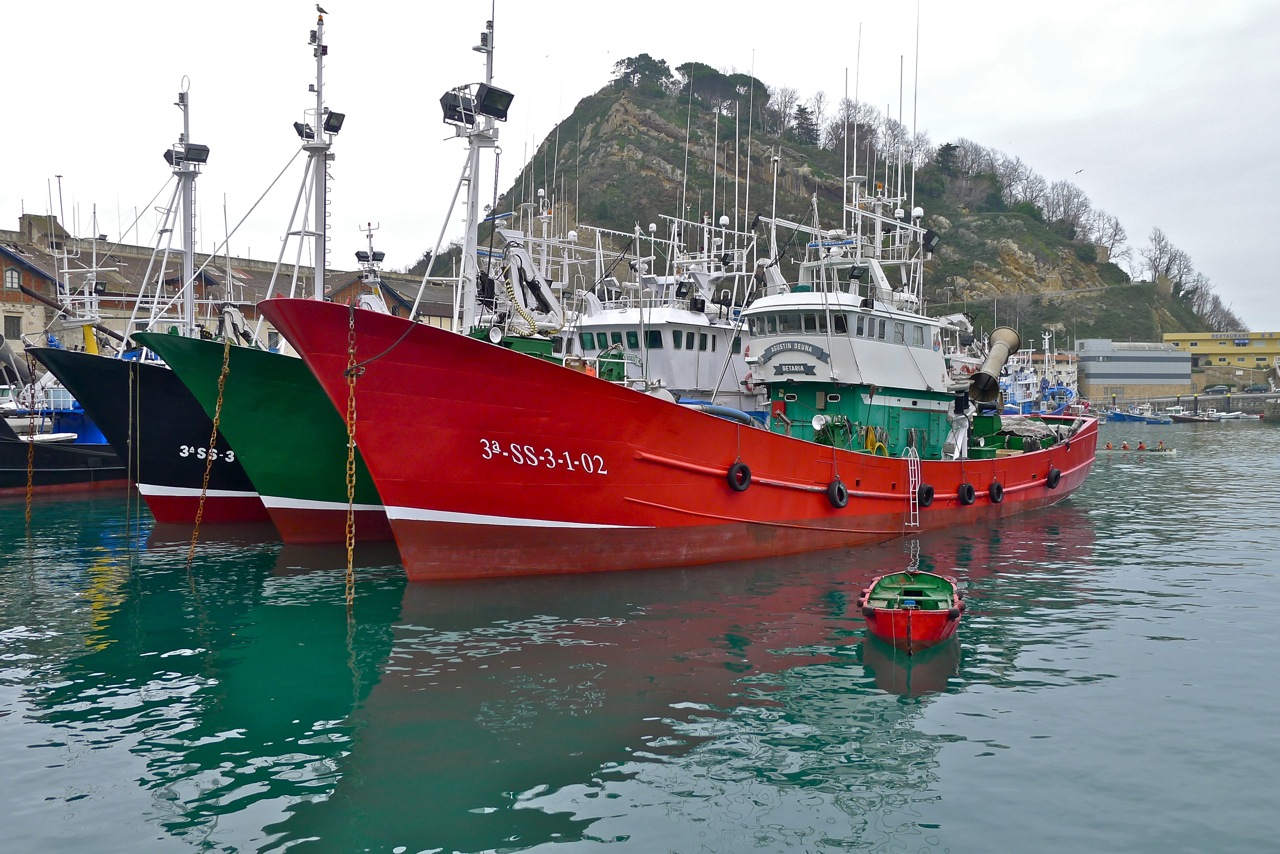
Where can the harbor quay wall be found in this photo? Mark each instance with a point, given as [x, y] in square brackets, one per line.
[1102, 393]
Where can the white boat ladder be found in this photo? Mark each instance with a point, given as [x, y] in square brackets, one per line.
[913, 488]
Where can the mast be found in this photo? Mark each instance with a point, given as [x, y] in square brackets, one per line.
[484, 136]
[318, 150]
[316, 130]
[185, 170]
[474, 110]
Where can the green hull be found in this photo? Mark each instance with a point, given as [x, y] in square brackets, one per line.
[284, 431]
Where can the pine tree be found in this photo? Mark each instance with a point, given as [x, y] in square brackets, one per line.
[803, 127]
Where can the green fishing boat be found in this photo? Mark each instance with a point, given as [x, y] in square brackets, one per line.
[285, 433]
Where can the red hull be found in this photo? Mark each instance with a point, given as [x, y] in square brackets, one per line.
[494, 463]
[912, 630]
[58, 488]
[169, 508]
[310, 525]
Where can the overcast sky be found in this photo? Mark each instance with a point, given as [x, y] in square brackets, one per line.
[1165, 112]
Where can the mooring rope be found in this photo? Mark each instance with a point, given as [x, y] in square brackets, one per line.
[31, 438]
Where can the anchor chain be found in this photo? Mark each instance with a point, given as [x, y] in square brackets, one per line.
[213, 441]
[351, 373]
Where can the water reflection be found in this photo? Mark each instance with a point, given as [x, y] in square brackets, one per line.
[733, 704]
[927, 672]
[550, 710]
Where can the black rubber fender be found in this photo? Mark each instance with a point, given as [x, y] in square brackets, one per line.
[966, 493]
[924, 494]
[739, 476]
[1054, 477]
[995, 492]
[838, 494]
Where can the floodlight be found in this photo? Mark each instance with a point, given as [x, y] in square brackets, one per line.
[196, 153]
[333, 122]
[362, 256]
[458, 108]
[930, 240]
[304, 131]
[168, 156]
[378, 256]
[492, 101]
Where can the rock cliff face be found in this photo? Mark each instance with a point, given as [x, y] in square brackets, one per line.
[624, 158]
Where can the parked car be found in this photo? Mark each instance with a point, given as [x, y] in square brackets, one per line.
[1216, 389]
[1257, 389]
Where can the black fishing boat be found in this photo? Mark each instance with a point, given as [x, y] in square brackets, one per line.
[152, 420]
[145, 412]
[54, 466]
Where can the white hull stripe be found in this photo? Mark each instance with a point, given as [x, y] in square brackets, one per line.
[188, 492]
[277, 503]
[417, 514]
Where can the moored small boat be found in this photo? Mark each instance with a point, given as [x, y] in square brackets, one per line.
[912, 610]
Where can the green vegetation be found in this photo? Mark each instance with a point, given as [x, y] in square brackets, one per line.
[1015, 249]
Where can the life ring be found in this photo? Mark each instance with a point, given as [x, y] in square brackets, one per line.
[739, 477]
[924, 495]
[966, 493]
[995, 492]
[880, 449]
[1055, 475]
[838, 494]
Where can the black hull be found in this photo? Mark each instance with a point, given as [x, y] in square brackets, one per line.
[166, 441]
[58, 467]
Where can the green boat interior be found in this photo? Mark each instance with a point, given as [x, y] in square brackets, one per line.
[919, 590]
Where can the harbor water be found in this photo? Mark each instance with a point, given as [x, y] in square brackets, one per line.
[1113, 687]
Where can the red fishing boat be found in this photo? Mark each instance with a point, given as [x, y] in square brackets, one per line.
[495, 463]
[492, 462]
[912, 610]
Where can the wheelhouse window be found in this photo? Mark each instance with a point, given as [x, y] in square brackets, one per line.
[688, 340]
[862, 326]
[615, 337]
[737, 344]
[840, 324]
[653, 338]
[771, 323]
[899, 332]
[810, 323]
[884, 329]
[677, 338]
[917, 335]
[633, 340]
[788, 323]
[702, 340]
[588, 341]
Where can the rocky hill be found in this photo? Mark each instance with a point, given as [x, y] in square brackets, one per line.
[629, 153]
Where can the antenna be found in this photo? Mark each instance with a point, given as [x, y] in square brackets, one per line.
[915, 104]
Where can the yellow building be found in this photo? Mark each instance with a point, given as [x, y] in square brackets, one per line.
[1238, 359]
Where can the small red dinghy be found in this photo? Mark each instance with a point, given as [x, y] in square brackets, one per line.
[912, 610]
